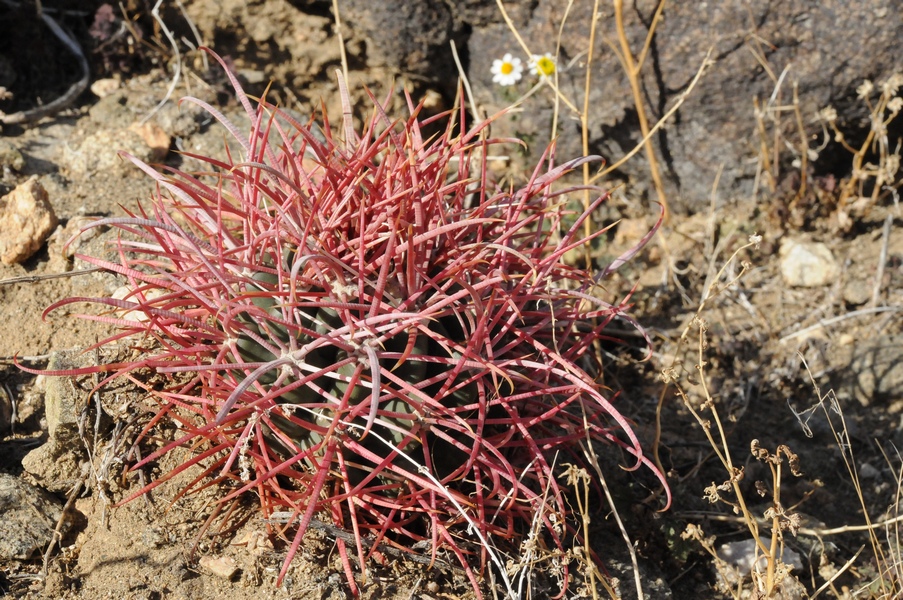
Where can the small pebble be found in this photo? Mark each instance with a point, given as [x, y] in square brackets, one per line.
[221, 566]
[10, 157]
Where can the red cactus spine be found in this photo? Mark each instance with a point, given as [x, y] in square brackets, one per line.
[367, 329]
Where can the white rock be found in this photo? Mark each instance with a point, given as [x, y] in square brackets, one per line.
[26, 219]
[742, 555]
[123, 292]
[807, 264]
[741, 560]
[104, 87]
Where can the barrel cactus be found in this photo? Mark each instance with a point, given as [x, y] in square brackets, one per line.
[361, 327]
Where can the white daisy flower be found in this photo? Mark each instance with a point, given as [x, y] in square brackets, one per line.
[507, 71]
[543, 65]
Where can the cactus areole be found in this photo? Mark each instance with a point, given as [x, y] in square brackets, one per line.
[361, 327]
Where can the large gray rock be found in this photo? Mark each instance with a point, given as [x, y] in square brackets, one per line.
[62, 396]
[409, 36]
[55, 465]
[29, 517]
[830, 48]
[752, 44]
[277, 35]
[869, 370]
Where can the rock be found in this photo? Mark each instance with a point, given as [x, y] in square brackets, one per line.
[716, 126]
[157, 140]
[857, 292]
[10, 157]
[61, 395]
[26, 219]
[255, 541]
[273, 32]
[180, 120]
[869, 370]
[221, 566]
[100, 152]
[741, 557]
[867, 471]
[55, 465]
[112, 112]
[105, 87]
[29, 518]
[807, 264]
[411, 36]
[29, 410]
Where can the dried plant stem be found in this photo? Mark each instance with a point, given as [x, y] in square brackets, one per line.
[706, 62]
[64, 516]
[850, 315]
[479, 115]
[177, 74]
[628, 543]
[556, 106]
[810, 531]
[584, 126]
[632, 69]
[709, 294]
[842, 438]
[341, 38]
[37, 278]
[837, 574]
[804, 143]
[849, 190]
[33, 359]
[714, 431]
[580, 480]
[735, 475]
[882, 259]
[722, 450]
[195, 31]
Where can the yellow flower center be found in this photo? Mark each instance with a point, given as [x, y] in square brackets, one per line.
[545, 65]
[507, 68]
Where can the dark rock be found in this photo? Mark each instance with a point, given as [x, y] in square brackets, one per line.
[717, 125]
[869, 370]
[411, 36]
[29, 517]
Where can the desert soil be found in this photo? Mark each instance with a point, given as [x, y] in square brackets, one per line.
[149, 549]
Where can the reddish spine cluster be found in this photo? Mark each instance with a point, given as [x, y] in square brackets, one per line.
[367, 328]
